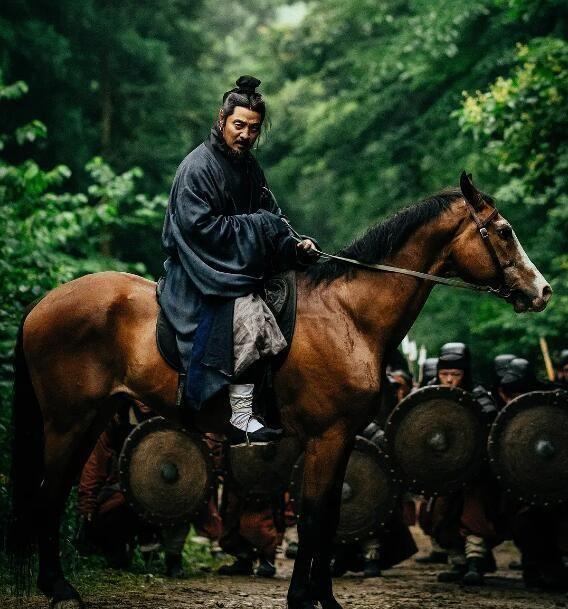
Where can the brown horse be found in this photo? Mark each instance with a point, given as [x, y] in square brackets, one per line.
[89, 344]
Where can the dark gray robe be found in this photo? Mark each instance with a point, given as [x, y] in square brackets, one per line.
[224, 235]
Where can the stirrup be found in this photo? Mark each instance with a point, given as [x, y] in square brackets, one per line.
[264, 435]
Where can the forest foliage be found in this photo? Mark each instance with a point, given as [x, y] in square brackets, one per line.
[372, 106]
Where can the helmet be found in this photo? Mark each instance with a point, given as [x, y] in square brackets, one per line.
[500, 363]
[429, 369]
[518, 376]
[454, 355]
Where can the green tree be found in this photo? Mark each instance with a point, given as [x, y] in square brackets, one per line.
[118, 79]
[522, 121]
[50, 236]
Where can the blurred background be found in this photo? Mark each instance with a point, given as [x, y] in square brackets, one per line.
[373, 105]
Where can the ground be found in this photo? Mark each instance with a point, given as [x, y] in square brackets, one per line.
[407, 586]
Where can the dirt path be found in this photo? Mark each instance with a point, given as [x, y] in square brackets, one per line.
[407, 586]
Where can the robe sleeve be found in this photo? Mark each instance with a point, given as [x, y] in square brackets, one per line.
[225, 255]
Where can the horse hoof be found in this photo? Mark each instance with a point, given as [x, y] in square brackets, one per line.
[68, 603]
[301, 604]
[330, 603]
[61, 594]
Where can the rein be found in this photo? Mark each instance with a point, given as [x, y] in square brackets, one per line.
[456, 283]
[501, 291]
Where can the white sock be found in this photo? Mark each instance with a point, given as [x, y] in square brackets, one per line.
[240, 397]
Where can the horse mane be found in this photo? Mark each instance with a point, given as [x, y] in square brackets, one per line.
[385, 238]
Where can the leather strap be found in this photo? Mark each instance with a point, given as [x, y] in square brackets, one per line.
[481, 225]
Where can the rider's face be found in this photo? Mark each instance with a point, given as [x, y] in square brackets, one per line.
[241, 129]
[452, 377]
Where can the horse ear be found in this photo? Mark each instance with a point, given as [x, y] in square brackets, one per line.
[469, 191]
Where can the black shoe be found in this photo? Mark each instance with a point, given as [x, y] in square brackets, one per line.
[434, 558]
[371, 568]
[474, 572]
[241, 566]
[174, 566]
[454, 575]
[265, 568]
[261, 436]
[291, 550]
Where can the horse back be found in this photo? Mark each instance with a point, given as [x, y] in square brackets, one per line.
[94, 337]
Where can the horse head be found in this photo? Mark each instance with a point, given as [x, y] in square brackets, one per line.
[486, 250]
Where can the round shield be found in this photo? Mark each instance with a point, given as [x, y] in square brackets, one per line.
[263, 469]
[528, 447]
[436, 438]
[368, 496]
[165, 472]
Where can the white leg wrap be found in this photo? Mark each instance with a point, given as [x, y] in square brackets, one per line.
[475, 547]
[240, 397]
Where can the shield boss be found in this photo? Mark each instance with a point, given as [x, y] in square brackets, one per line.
[263, 469]
[165, 472]
[528, 447]
[368, 495]
[436, 438]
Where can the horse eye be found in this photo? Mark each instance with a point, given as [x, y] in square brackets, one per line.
[505, 232]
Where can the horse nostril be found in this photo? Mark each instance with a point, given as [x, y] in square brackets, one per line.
[546, 293]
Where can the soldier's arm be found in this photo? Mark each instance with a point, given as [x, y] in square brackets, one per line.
[93, 476]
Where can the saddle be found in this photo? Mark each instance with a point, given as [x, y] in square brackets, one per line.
[280, 296]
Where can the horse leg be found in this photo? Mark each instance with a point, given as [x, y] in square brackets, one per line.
[53, 495]
[65, 455]
[323, 463]
[321, 587]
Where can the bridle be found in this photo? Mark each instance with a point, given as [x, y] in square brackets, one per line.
[502, 291]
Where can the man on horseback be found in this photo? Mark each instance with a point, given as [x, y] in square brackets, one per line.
[224, 235]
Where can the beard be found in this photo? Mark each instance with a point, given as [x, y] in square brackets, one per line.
[236, 154]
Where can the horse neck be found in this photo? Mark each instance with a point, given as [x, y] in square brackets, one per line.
[385, 305]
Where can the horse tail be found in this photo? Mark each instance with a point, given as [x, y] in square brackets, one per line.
[26, 473]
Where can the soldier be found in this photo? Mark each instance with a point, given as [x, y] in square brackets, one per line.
[517, 378]
[252, 525]
[253, 528]
[540, 534]
[500, 364]
[454, 370]
[429, 370]
[458, 522]
[109, 521]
